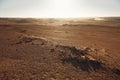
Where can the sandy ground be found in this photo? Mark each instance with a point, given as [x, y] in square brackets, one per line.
[60, 49]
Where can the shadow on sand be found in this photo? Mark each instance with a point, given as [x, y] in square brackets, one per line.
[85, 65]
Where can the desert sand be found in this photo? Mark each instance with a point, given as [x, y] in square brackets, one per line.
[60, 49]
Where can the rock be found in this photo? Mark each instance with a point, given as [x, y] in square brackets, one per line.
[83, 58]
[26, 40]
[18, 42]
[117, 71]
[52, 79]
[42, 43]
[52, 50]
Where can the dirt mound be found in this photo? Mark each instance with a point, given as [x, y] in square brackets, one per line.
[78, 58]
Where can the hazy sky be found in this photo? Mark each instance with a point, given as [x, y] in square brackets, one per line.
[59, 8]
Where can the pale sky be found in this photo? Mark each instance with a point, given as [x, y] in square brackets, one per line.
[59, 8]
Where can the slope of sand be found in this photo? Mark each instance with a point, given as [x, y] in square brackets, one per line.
[59, 49]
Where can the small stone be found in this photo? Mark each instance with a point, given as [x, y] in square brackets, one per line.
[52, 79]
[42, 43]
[83, 57]
[18, 42]
[67, 79]
[52, 50]
[103, 50]
[61, 51]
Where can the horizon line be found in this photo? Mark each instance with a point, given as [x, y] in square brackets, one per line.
[59, 17]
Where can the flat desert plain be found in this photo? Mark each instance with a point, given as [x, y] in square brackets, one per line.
[60, 49]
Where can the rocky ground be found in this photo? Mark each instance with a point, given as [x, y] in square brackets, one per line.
[33, 49]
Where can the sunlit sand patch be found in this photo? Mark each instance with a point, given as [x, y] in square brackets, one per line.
[98, 19]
